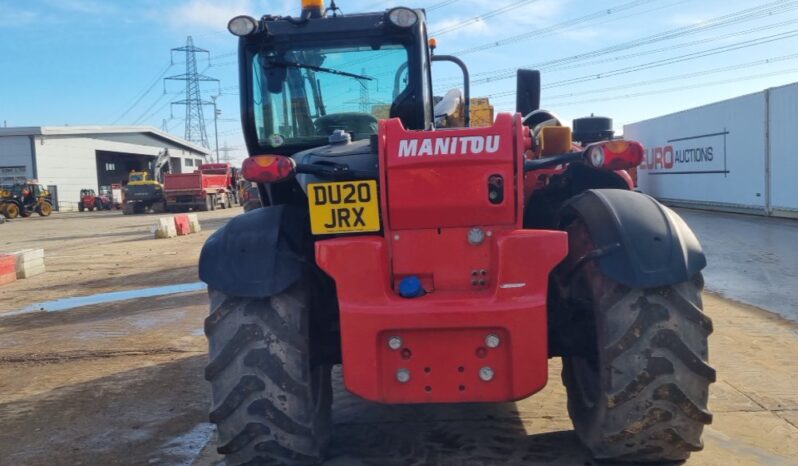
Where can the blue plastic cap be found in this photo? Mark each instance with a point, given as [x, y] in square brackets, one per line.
[410, 287]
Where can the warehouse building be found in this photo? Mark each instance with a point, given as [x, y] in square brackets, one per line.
[67, 159]
[735, 155]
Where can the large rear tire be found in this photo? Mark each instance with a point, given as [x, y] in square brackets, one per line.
[44, 209]
[11, 210]
[270, 405]
[639, 391]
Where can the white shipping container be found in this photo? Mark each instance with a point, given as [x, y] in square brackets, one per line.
[783, 150]
[711, 155]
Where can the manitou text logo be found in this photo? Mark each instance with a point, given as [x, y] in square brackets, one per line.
[461, 145]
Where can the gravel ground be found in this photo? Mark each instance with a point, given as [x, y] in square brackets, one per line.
[121, 382]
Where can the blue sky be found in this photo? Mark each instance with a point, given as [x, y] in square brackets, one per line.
[89, 61]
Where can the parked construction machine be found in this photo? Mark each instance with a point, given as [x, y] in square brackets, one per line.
[89, 200]
[22, 200]
[211, 185]
[438, 265]
[144, 190]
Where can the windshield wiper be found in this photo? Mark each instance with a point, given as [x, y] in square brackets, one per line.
[320, 69]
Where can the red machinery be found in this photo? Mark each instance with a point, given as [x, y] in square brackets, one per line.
[89, 200]
[474, 287]
[211, 185]
[439, 264]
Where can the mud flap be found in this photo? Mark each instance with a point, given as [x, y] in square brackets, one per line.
[640, 242]
[257, 254]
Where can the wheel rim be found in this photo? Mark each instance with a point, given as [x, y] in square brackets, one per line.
[12, 211]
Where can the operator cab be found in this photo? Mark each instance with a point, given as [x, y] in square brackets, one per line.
[306, 79]
[137, 177]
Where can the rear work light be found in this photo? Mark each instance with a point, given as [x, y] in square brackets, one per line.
[268, 168]
[242, 25]
[402, 17]
[615, 155]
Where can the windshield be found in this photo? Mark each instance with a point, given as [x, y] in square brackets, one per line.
[302, 96]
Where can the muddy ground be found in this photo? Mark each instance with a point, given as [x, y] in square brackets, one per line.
[121, 383]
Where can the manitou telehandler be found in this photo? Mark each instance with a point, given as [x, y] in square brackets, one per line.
[438, 265]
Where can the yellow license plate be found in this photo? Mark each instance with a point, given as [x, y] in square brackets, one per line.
[344, 207]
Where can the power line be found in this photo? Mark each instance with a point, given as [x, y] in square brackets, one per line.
[649, 82]
[483, 17]
[145, 112]
[553, 28]
[439, 5]
[676, 89]
[144, 94]
[673, 47]
[162, 107]
[666, 49]
[677, 59]
[749, 14]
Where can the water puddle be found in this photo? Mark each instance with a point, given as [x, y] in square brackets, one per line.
[65, 304]
[183, 450]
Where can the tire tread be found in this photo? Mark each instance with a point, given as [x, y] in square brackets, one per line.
[264, 414]
[651, 362]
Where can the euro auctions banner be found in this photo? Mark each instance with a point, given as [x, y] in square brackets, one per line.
[711, 155]
[697, 154]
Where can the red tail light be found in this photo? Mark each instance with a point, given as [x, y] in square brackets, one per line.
[268, 168]
[615, 155]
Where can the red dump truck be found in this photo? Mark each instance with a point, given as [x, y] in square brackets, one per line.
[211, 185]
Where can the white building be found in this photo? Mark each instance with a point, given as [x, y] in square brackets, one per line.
[70, 158]
[738, 154]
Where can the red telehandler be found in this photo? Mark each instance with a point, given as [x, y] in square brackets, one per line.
[438, 265]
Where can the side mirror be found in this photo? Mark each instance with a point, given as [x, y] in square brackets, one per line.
[527, 96]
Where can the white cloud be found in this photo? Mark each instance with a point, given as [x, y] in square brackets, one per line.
[214, 14]
[14, 17]
[211, 14]
[93, 7]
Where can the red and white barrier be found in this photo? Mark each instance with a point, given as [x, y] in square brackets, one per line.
[8, 268]
[176, 225]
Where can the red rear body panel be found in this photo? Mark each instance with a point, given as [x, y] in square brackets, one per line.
[434, 191]
[439, 179]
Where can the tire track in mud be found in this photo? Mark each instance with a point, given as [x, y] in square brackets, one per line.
[84, 355]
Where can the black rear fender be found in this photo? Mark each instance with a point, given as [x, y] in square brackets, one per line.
[640, 243]
[259, 253]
